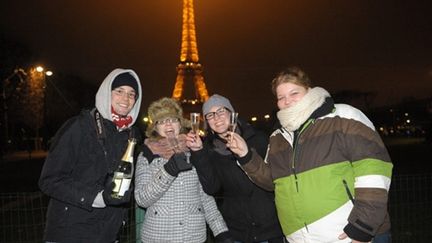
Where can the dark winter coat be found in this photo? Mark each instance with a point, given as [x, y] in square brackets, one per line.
[80, 159]
[74, 173]
[248, 210]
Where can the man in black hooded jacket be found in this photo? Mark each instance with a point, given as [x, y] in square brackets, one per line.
[78, 169]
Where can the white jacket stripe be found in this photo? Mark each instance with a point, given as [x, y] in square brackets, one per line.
[372, 181]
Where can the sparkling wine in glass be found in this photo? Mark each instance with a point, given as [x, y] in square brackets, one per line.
[174, 143]
[232, 122]
[195, 122]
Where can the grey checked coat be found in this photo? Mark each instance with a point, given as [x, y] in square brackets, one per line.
[177, 207]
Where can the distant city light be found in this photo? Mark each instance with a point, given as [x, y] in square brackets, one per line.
[408, 121]
[267, 116]
[146, 119]
[254, 118]
[406, 114]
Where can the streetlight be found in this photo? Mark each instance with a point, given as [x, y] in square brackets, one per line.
[41, 71]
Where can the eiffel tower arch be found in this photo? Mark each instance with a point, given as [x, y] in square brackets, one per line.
[190, 88]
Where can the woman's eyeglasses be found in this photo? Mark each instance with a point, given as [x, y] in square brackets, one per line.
[167, 120]
[219, 112]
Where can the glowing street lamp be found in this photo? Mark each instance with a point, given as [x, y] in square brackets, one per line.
[41, 69]
[41, 85]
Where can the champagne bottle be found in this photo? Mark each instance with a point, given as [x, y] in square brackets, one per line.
[123, 175]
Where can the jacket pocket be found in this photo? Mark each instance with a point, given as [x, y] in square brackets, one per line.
[348, 191]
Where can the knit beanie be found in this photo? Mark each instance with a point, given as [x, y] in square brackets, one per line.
[125, 79]
[216, 100]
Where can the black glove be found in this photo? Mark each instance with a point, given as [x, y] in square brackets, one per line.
[112, 201]
[224, 237]
[176, 164]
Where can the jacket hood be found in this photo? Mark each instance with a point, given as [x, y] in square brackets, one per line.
[103, 95]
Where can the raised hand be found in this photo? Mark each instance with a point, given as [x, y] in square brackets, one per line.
[193, 141]
[177, 163]
[237, 145]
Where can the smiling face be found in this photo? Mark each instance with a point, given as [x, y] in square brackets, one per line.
[288, 94]
[168, 127]
[289, 86]
[218, 120]
[123, 99]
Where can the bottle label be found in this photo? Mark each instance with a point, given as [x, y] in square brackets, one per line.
[121, 184]
[125, 183]
[117, 181]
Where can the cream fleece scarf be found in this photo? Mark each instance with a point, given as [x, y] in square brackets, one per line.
[293, 117]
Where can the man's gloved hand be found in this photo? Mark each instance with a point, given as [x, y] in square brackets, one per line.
[112, 201]
[177, 163]
[224, 237]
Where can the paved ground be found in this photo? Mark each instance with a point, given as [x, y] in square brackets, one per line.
[19, 171]
[24, 155]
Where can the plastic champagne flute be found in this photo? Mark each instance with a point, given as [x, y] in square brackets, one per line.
[195, 122]
[232, 122]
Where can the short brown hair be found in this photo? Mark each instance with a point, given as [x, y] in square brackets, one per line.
[293, 75]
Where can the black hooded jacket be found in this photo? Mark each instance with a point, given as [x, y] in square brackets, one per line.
[248, 210]
[73, 174]
[85, 151]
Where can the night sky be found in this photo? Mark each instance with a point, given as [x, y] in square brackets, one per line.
[382, 47]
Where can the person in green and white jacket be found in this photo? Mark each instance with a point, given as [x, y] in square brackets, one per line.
[328, 166]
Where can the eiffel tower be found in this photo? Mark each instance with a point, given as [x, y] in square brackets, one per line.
[189, 87]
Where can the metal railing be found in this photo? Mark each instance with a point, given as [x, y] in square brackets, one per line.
[22, 214]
